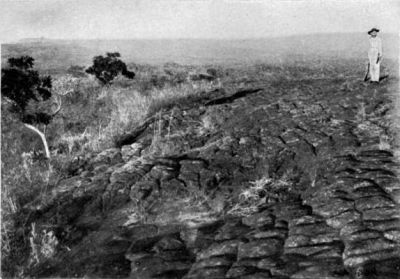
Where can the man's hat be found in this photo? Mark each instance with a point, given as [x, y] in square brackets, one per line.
[372, 30]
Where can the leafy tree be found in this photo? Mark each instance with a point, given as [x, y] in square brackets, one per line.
[29, 95]
[107, 68]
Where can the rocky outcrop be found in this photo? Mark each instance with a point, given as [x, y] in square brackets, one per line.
[160, 204]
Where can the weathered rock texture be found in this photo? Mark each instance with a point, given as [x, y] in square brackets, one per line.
[156, 206]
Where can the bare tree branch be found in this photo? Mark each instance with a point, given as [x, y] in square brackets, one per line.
[42, 136]
[58, 103]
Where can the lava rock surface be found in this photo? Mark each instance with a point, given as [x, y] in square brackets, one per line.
[157, 205]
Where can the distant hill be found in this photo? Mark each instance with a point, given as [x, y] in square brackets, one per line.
[60, 54]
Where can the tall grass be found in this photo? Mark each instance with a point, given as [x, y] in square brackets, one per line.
[131, 106]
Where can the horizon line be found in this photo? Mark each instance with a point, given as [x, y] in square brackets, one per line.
[21, 40]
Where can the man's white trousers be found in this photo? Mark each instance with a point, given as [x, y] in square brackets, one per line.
[373, 66]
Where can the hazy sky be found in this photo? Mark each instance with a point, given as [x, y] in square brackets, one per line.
[191, 18]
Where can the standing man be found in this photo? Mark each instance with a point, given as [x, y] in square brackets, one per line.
[374, 54]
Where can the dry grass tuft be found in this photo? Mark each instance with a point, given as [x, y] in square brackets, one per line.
[259, 192]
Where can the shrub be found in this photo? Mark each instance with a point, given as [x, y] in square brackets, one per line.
[212, 72]
[107, 68]
[176, 76]
[21, 85]
[28, 92]
[76, 71]
[158, 81]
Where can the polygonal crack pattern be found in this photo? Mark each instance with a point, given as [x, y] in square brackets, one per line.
[338, 219]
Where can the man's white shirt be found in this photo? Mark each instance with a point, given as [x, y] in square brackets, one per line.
[376, 43]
